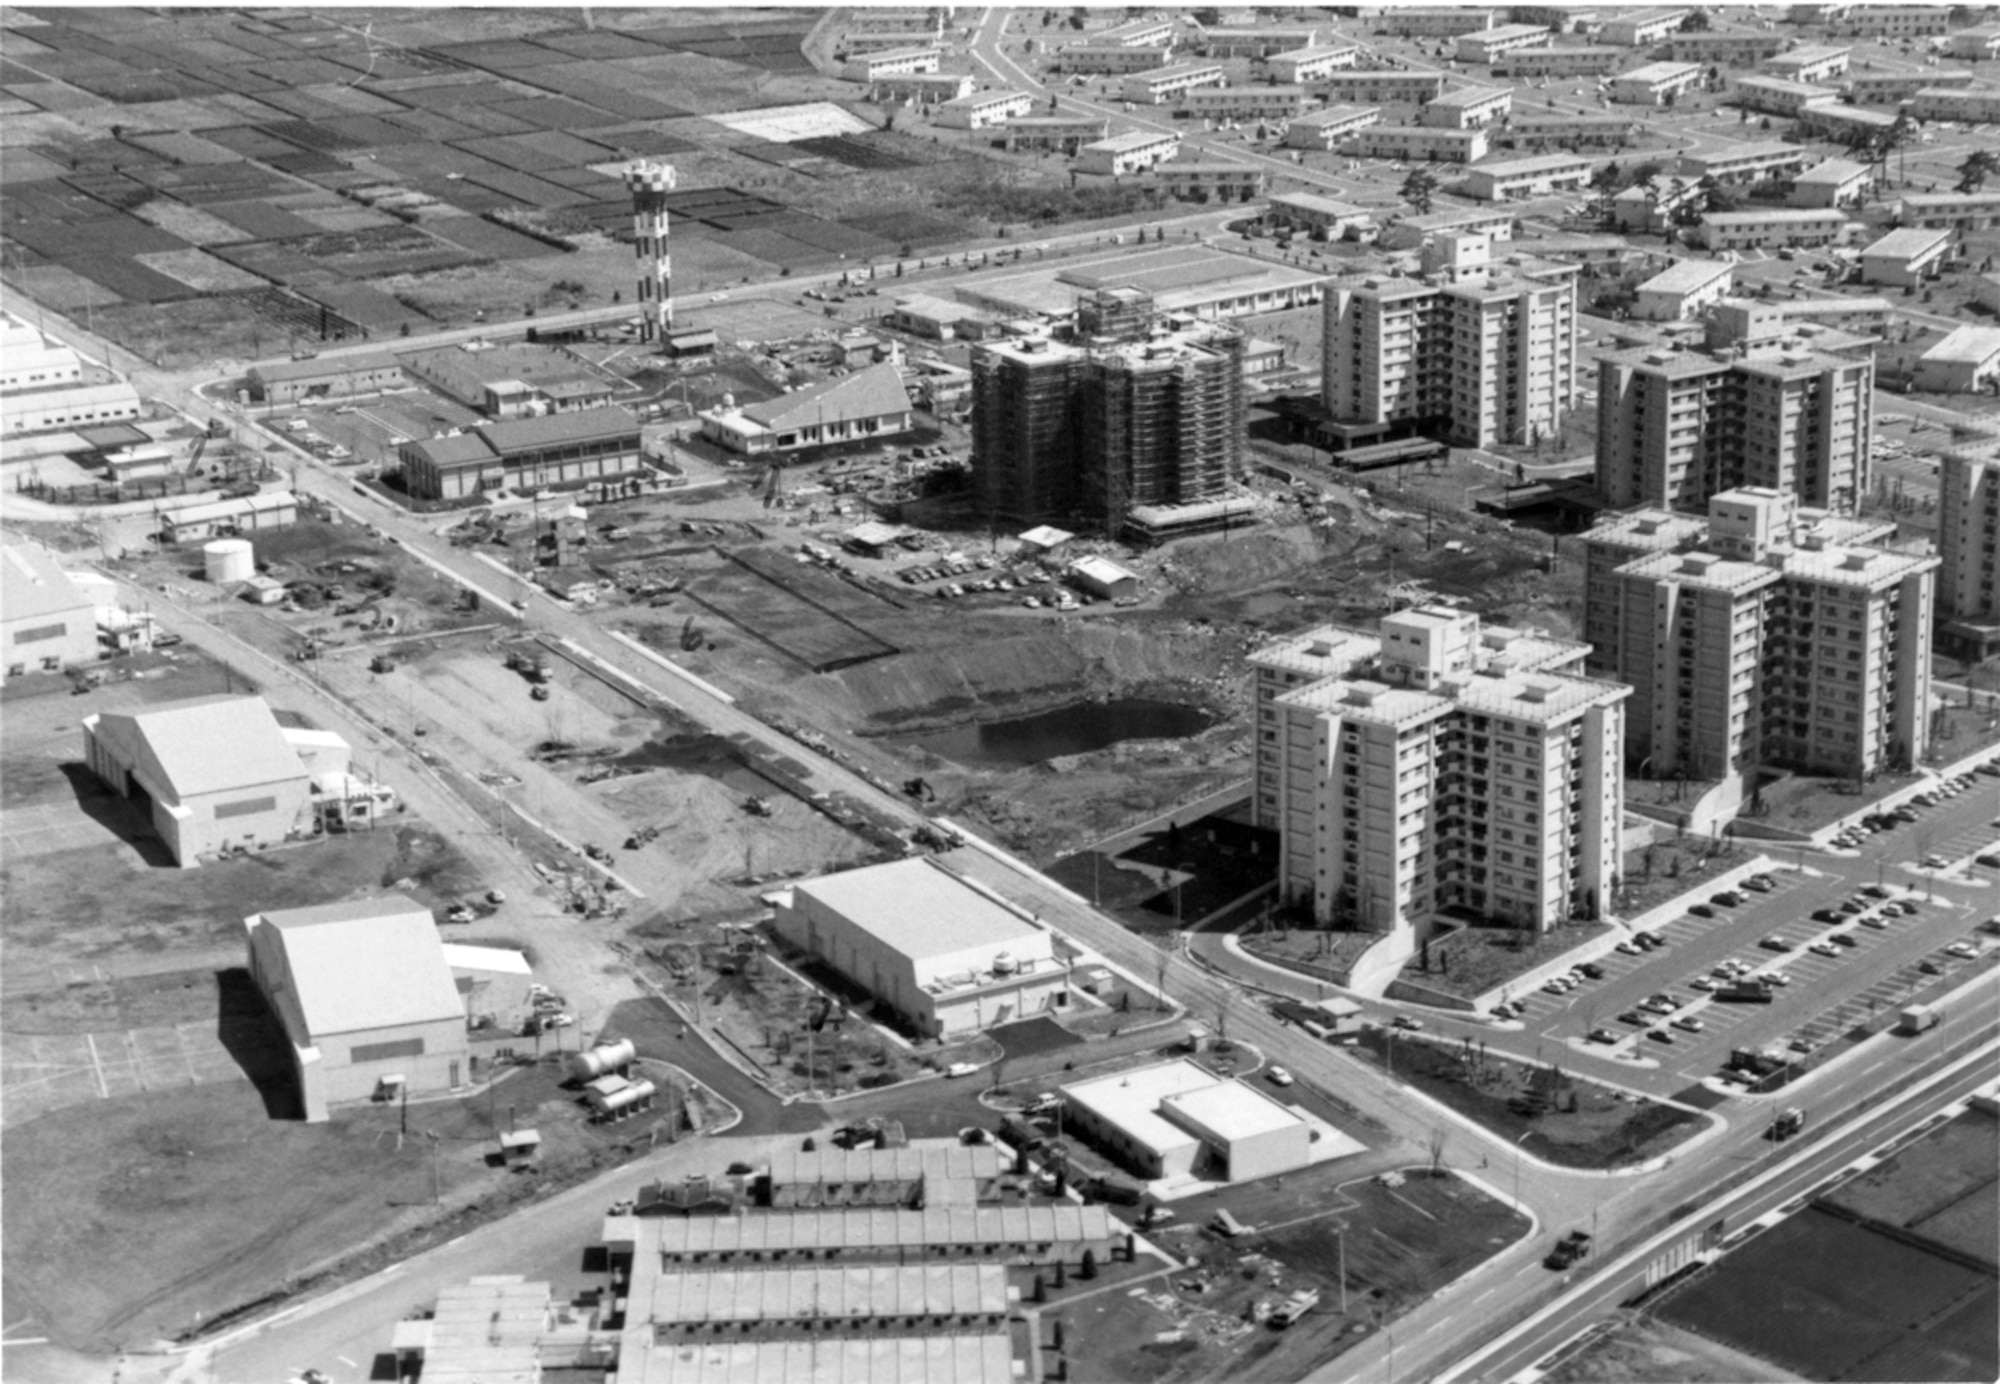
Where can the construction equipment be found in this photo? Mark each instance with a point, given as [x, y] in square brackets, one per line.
[381, 663]
[1294, 1307]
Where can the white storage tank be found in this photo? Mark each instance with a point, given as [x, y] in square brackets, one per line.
[637, 1096]
[229, 559]
[605, 1057]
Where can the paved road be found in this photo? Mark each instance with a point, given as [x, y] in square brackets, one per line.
[1599, 1293]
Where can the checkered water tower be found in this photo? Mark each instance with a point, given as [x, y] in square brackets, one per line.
[650, 184]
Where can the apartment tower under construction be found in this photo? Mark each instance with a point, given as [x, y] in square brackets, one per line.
[1134, 410]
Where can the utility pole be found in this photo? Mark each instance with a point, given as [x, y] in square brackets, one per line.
[437, 1187]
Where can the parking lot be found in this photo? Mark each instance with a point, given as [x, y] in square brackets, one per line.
[1885, 925]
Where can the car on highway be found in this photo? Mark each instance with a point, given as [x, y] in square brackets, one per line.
[1405, 1021]
[1602, 1035]
[1688, 1024]
[1278, 1076]
[1824, 949]
[1776, 944]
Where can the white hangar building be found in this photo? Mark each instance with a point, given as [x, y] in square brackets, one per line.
[219, 772]
[365, 995]
[1177, 1119]
[945, 956]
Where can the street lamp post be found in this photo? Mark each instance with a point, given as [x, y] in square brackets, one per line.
[1517, 1170]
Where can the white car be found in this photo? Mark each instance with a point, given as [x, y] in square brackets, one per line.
[1278, 1076]
[961, 1069]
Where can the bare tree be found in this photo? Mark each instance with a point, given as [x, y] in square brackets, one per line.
[1439, 1137]
[1225, 1003]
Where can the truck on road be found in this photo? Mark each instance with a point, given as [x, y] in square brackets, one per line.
[1919, 1018]
[1788, 1123]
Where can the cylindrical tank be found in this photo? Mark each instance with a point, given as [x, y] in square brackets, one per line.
[229, 559]
[605, 1057]
[636, 1094]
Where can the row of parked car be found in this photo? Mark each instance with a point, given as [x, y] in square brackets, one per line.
[1875, 823]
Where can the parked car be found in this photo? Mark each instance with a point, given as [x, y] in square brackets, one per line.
[1728, 898]
[1633, 1016]
[1628, 949]
[1602, 1035]
[1774, 977]
[1592, 970]
[1874, 920]
[1278, 1076]
[1702, 910]
[1826, 915]
[1701, 983]
[1843, 939]
[1659, 1035]
[1776, 944]
[1824, 949]
[1963, 949]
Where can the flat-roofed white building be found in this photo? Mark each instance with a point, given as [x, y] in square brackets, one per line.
[1299, 65]
[1179, 1120]
[1788, 227]
[1225, 182]
[1139, 33]
[1906, 257]
[1384, 86]
[1526, 130]
[921, 89]
[948, 958]
[1161, 87]
[1682, 290]
[895, 62]
[972, 1357]
[1811, 63]
[1111, 59]
[1655, 84]
[1893, 21]
[1560, 61]
[1467, 108]
[1435, 23]
[1973, 105]
[984, 109]
[1960, 211]
[218, 773]
[1488, 44]
[1134, 152]
[1724, 47]
[1324, 216]
[870, 403]
[1836, 120]
[1326, 129]
[1640, 28]
[857, 44]
[1542, 175]
[1063, 134]
[1835, 183]
[1981, 43]
[1417, 142]
[1253, 43]
[1778, 95]
[47, 622]
[1747, 163]
[1893, 88]
[1413, 232]
[1245, 102]
[1965, 362]
[365, 997]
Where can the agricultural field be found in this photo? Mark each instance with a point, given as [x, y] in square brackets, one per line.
[212, 186]
[1830, 1299]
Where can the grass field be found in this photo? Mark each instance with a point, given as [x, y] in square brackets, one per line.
[1604, 1130]
[131, 1220]
[1831, 1300]
[1403, 1243]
